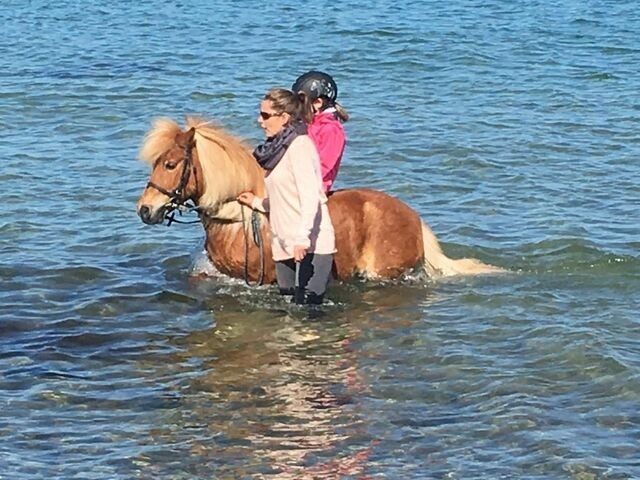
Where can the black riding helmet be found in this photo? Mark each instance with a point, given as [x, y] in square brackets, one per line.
[317, 85]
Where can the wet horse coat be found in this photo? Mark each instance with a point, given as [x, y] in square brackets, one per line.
[377, 235]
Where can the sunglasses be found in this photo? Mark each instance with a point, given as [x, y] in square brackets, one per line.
[267, 115]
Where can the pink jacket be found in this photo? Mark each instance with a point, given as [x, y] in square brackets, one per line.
[328, 135]
[297, 205]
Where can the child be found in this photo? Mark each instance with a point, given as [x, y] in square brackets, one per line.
[326, 130]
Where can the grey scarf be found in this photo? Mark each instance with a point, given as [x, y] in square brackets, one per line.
[269, 153]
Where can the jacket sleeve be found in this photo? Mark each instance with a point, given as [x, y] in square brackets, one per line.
[305, 170]
[260, 204]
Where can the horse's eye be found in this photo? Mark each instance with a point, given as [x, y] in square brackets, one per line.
[170, 165]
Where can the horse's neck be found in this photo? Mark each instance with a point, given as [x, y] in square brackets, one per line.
[229, 210]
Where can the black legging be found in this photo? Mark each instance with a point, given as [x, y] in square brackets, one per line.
[313, 274]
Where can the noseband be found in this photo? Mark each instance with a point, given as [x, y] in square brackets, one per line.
[177, 197]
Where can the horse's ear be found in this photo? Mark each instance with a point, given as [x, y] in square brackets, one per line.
[186, 138]
[190, 134]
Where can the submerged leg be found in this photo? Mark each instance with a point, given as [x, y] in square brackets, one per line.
[313, 274]
[286, 276]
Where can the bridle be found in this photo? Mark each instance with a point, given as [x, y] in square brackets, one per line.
[178, 200]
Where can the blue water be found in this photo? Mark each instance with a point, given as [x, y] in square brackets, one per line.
[511, 127]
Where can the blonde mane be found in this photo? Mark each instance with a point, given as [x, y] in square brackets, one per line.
[160, 139]
[228, 167]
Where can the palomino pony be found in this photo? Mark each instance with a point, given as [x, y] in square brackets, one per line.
[377, 236]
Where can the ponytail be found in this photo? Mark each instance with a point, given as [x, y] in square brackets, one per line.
[341, 113]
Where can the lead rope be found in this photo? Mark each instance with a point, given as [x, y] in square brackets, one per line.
[257, 239]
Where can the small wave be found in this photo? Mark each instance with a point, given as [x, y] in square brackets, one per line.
[575, 255]
[201, 265]
[79, 274]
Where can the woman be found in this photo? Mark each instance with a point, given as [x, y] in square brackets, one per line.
[303, 240]
[325, 128]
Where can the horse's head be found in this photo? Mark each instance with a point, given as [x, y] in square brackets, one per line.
[173, 179]
[203, 164]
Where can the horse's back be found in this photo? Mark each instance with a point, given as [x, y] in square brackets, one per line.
[376, 234]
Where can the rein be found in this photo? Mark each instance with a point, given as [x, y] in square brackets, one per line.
[257, 239]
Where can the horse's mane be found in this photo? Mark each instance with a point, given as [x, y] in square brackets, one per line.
[228, 167]
[160, 139]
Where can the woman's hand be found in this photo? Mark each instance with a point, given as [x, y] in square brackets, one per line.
[246, 198]
[299, 252]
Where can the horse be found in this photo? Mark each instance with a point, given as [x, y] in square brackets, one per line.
[377, 235]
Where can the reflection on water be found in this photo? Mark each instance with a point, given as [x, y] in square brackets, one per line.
[278, 391]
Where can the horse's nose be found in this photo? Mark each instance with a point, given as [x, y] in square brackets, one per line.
[145, 214]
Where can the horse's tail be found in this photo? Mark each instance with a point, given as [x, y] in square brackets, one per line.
[437, 264]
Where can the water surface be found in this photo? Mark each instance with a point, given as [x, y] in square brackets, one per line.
[511, 127]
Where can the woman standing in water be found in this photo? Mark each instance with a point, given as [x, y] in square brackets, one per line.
[303, 240]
